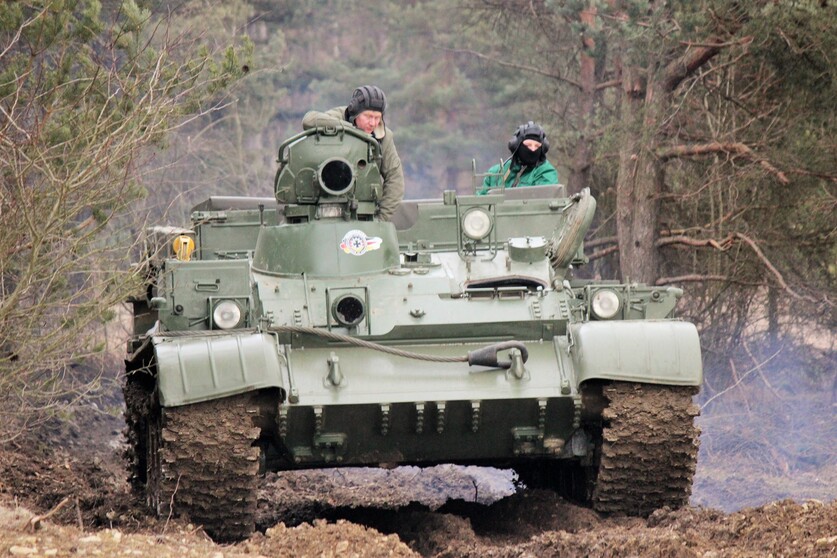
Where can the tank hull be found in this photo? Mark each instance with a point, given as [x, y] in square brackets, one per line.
[376, 407]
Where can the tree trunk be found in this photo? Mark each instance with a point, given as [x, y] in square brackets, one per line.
[581, 164]
[639, 181]
[646, 97]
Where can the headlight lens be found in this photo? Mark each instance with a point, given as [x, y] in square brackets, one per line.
[226, 315]
[605, 304]
[476, 224]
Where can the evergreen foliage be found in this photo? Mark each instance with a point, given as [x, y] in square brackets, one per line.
[85, 93]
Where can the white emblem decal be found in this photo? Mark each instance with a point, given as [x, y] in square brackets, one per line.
[357, 243]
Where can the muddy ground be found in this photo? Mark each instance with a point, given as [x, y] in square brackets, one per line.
[766, 486]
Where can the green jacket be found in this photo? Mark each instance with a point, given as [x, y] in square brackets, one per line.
[391, 170]
[539, 175]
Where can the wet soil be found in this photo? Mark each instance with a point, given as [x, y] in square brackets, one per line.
[746, 503]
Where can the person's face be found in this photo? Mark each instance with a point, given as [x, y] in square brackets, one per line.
[368, 120]
[533, 145]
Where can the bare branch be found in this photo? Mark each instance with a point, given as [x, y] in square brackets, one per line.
[735, 148]
[20, 29]
[602, 253]
[691, 278]
[34, 522]
[743, 41]
[722, 245]
[755, 368]
[595, 242]
[608, 84]
[781, 280]
[803, 172]
[505, 63]
[696, 56]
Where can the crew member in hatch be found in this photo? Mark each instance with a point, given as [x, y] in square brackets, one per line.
[527, 165]
[366, 112]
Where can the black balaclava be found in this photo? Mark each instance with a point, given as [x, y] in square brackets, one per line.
[523, 156]
[526, 157]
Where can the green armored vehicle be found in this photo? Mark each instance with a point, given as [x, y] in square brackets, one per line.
[300, 332]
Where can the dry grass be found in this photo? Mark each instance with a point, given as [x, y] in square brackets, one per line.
[772, 437]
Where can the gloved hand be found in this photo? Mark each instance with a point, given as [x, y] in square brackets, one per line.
[328, 122]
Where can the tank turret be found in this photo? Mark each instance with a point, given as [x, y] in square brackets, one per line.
[327, 178]
[327, 173]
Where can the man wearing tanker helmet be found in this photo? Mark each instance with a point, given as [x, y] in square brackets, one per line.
[366, 112]
[527, 165]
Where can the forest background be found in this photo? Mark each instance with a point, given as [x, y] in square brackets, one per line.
[705, 130]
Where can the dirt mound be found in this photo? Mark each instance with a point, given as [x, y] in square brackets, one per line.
[536, 524]
[77, 459]
[75, 468]
[17, 538]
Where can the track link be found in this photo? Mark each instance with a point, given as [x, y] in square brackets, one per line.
[649, 449]
[202, 463]
[137, 407]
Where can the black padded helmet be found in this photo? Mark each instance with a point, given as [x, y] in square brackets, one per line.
[530, 130]
[366, 97]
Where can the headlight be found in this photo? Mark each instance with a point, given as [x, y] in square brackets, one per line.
[605, 304]
[476, 224]
[226, 315]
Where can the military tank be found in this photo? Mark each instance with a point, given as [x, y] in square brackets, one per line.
[300, 332]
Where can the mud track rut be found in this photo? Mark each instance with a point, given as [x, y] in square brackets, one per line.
[208, 465]
[649, 449]
[199, 455]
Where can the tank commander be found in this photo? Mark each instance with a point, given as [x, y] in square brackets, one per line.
[366, 112]
[527, 165]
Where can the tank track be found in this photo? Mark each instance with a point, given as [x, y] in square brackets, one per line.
[649, 449]
[202, 463]
[137, 409]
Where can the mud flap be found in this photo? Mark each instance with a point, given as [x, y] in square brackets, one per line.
[650, 351]
[200, 368]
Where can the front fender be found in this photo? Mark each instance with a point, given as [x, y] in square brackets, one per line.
[651, 351]
[191, 369]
